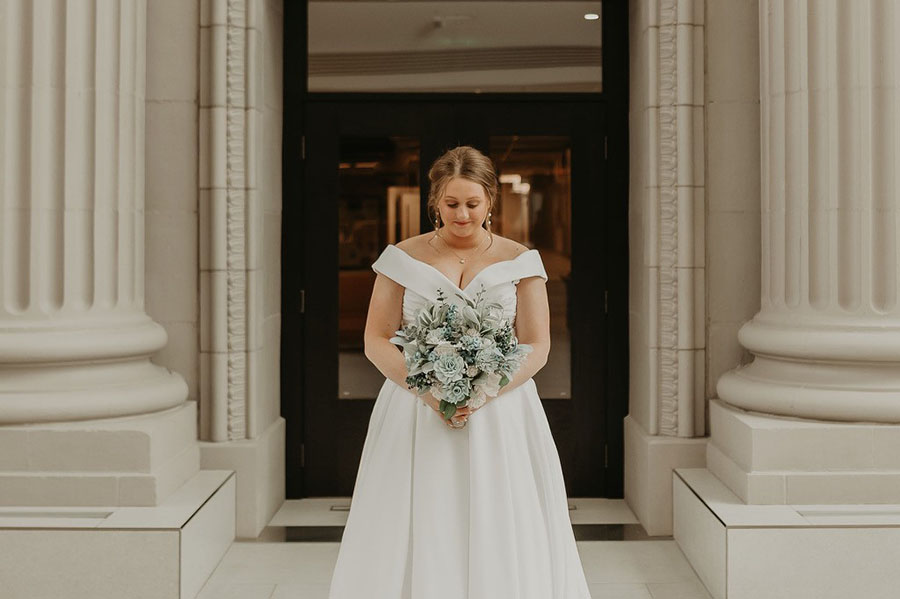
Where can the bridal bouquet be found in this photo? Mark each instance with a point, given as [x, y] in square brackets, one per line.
[462, 354]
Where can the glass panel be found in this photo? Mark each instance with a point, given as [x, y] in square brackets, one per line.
[378, 203]
[535, 208]
[447, 46]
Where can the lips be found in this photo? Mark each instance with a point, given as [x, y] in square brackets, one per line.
[459, 223]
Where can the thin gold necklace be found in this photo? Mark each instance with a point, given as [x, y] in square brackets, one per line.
[461, 259]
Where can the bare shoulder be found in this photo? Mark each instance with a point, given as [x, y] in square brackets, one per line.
[416, 245]
[508, 248]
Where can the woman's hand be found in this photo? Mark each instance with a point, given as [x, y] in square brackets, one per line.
[461, 415]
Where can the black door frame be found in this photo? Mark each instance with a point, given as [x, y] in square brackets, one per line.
[612, 226]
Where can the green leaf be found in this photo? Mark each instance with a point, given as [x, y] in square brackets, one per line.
[504, 381]
[449, 410]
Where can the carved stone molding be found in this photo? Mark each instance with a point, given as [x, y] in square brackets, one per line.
[228, 147]
[676, 149]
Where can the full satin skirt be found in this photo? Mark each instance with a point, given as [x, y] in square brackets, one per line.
[474, 513]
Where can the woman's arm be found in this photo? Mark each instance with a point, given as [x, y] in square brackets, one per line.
[532, 328]
[383, 320]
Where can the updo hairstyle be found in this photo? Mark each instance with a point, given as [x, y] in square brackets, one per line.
[468, 163]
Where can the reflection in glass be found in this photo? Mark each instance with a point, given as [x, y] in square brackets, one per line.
[449, 46]
[378, 203]
[535, 208]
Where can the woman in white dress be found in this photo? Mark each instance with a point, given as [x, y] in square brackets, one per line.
[473, 507]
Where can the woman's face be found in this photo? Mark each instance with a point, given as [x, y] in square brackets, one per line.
[464, 207]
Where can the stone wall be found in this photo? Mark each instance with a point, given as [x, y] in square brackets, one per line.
[171, 205]
[213, 230]
[694, 229]
[732, 176]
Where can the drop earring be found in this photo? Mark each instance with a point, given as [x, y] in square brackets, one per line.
[489, 219]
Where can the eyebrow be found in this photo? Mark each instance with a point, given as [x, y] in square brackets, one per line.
[470, 198]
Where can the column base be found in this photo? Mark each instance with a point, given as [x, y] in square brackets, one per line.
[649, 460]
[130, 461]
[163, 552]
[841, 391]
[84, 371]
[766, 459]
[744, 551]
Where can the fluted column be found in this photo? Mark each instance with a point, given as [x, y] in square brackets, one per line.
[74, 338]
[827, 338]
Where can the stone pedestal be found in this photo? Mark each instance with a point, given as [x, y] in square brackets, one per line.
[75, 342]
[805, 439]
[166, 551]
[780, 460]
[743, 551]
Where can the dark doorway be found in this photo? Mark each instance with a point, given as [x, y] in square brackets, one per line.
[355, 179]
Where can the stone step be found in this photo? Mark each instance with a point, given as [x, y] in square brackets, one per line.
[162, 552]
[817, 551]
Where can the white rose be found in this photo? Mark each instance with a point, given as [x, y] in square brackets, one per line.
[477, 400]
[488, 383]
[443, 348]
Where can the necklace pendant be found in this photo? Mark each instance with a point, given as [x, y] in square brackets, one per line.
[462, 260]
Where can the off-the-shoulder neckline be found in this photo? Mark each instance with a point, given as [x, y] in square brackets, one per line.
[446, 278]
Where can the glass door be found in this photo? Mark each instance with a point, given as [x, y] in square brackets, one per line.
[374, 93]
[366, 163]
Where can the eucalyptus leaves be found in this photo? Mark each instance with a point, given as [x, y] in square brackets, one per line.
[462, 354]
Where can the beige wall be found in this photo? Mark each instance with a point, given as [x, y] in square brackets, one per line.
[694, 126]
[171, 183]
[732, 181]
[728, 224]
[641, 392]
[172, 238]
[181, 234]
[269, 186]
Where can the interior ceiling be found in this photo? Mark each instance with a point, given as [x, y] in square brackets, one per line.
[474, 59]
[362, 27]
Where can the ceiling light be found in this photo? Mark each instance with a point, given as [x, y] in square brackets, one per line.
[591, 16]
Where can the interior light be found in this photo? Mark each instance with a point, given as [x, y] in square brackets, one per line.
[591, 16]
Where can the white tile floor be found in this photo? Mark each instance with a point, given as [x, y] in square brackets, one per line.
[644, 569]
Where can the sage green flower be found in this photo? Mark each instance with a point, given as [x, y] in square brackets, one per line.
[449, 368]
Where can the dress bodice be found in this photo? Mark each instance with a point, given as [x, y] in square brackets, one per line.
[422, 280]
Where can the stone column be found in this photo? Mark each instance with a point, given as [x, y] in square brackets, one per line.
[75, 341]
[827, 338]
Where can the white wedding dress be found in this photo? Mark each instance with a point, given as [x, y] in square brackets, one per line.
[473, 513]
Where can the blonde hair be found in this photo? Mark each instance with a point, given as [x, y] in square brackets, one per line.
[468, 163]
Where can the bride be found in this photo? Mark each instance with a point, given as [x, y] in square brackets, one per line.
[473, 507]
